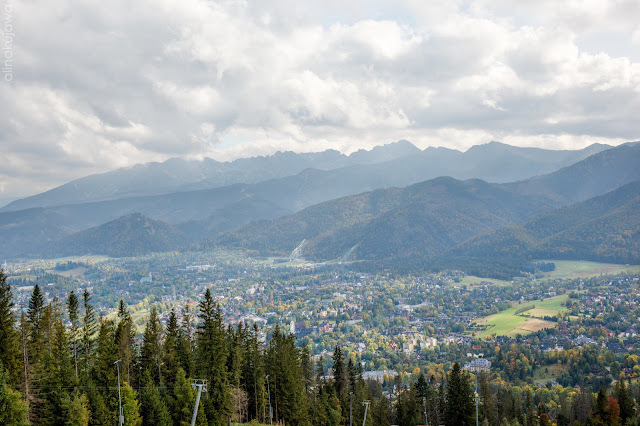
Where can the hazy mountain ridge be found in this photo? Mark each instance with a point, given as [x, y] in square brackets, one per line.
[585, 179]
[179, 175]
[421, 229]
[395, 164]
[208, 212]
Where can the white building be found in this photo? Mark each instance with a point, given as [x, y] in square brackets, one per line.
[477, 365]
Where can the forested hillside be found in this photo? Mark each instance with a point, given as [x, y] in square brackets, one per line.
[130, 235]
[421, 219]
[605, 228]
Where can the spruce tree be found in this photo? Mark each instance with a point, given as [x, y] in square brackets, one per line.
[64, 371]
[487, 406]
[625, 400]
[306, 365]
[100, 415]
[235, 354]
[49, 361]
[421, 386]
[339, 374]
[185, 343]
[212, 360]
[408, 407]
[9, 337]
[254, 375]
[442, 404]
[380, 412]
[600, 410]
[459, 406]
[150, 353]
[125, 335]
[352, 375]
[433, 414]
[104, 371]
[530, 419]
[88, 330]
[153, 408]
[74, 320]
[287, 389]
[35, 310]
[24, 349]
[170, 357]
[182, 402]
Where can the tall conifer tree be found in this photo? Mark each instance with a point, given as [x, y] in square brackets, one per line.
[170, 357]
[88, 330]
[9, 337]
[150, 353]
[459, 407]
[125, 335]
[153, 408]
[74, 320]
[212, 360]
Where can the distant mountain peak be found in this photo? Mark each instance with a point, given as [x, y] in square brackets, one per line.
[387, 152]
[490, 146]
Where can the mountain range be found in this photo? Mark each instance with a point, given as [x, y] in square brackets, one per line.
[424, 218]
[180, 175]
[394, 164]
[435, 222]
[384, 206]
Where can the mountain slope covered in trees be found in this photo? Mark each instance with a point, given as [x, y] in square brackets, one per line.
[130, 235]
[422, 219]
[604, 228]
[419, 226]
[595, 175]
[208, 212]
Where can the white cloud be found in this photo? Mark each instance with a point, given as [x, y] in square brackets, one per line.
[99, 85]
[635, 37]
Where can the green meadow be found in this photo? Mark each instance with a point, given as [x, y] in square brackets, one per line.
[583, 269]
[471, 281]
[510, 323]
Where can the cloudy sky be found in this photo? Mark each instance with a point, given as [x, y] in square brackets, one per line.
[96, 85]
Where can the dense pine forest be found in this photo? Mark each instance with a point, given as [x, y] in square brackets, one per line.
[60, 364]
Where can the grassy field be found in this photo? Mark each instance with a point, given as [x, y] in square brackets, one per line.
[548, 372]
[547, 307]
[509, 323]
[501, 323]
[583, 269]
[471, 281]
[532, 325]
